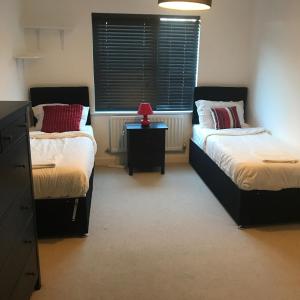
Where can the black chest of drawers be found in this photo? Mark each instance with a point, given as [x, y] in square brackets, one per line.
[146, 146]
[19, 263]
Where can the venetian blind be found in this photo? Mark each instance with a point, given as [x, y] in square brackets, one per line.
[144, 58]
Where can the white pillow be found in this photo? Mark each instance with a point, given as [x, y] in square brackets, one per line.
[38, 112]
[84, 116]
[204, 111]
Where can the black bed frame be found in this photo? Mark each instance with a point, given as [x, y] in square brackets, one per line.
[247, 208]
[65, 216]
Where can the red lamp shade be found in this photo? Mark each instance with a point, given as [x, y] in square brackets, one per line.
[145, 109]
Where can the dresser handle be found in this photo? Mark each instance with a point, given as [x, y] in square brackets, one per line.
[8, 138]
[30, 273]
[22, 125]
[27, 242]
[24, 207]
[21, 166]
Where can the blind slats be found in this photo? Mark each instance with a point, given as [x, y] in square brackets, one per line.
[144, 58]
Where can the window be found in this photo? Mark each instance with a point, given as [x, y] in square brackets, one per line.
[144, 58]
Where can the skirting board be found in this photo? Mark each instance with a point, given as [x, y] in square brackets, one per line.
[115, 160]
[106, 161]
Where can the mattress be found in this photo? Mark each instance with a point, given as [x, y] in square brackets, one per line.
[68, 160]
[251, 157]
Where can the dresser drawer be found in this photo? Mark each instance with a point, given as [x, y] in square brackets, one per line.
[14, 173]
[12, 268]
[13, 131]
[28, 279]
[13, 223]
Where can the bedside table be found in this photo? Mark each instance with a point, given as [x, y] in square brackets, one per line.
[145, 146]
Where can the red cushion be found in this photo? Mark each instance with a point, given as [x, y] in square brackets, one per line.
[226, 117]
[60, 118]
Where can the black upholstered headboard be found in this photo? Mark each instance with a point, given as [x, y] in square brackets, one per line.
[217, 93]
[66, 95]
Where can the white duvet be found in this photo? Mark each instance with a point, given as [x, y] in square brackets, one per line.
[251, 157]
[62, 163]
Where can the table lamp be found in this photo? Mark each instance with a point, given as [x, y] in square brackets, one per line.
[145, 109]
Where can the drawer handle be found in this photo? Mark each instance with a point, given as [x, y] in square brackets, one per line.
[30, 273]
[27, 242]
[24, 207]
[21, 166]
[8, 138]
[22, 125]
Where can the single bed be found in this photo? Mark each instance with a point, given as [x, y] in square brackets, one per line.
[246, 207]
[63, 194]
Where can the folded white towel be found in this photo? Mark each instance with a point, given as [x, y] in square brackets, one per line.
[43, 166]
[281, 161]
[278, 156]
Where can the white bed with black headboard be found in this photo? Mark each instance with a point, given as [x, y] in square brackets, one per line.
[63, 164]
[254, 176]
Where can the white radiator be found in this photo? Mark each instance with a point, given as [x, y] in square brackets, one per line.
[174, 135]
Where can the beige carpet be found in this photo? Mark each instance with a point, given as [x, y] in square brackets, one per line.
[156, 237]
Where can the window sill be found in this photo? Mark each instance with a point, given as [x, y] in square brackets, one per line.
[134, 113]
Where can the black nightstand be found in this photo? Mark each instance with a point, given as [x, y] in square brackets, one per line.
[145, 146]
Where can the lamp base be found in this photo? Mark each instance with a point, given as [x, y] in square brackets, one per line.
[145, 122]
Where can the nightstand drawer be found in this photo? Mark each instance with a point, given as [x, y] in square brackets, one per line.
[147, 141]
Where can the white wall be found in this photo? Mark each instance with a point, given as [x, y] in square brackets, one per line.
[224, 50]
[225, 40]
[275, 96]
[11, 41]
